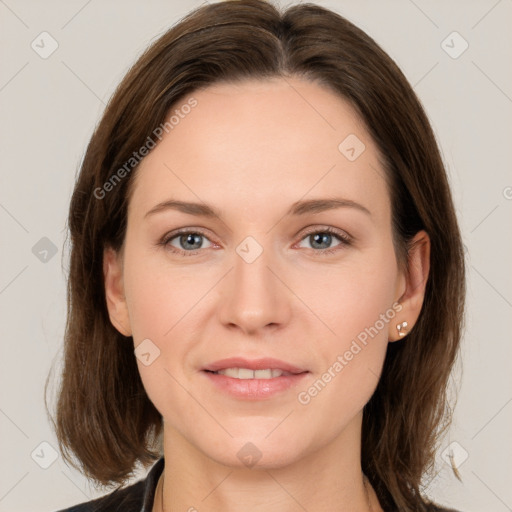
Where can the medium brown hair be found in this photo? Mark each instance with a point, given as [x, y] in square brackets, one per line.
[103, 414]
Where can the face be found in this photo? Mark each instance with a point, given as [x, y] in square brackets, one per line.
[261, 314]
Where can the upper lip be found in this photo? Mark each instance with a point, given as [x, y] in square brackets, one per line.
[253, 364]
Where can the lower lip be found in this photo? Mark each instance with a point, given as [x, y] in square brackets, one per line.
[254, 389]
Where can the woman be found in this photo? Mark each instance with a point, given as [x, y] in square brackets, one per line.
[267, 282]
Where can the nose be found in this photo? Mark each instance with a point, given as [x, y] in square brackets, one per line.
[254, 298]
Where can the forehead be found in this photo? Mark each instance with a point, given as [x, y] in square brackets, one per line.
[258, 143]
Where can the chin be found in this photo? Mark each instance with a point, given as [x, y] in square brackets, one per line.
[256, 452]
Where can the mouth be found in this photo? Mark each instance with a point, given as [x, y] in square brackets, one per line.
[247, 373]
[253, 379]
[262, 368]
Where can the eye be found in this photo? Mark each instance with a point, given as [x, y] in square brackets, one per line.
[321, 239]
[185, 242]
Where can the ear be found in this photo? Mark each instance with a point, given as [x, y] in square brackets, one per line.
[114, 291]
[415, 278]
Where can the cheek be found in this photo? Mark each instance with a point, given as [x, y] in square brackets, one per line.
[353, 298]
[158, 295]
[164, 308]
[357, 309]
[158, 302]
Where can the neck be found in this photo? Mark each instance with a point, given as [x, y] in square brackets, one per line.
[327, 479]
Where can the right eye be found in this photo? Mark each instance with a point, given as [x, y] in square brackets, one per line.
[184, 242]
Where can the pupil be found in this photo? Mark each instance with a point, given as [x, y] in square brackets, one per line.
[191, 238]
[322, 236]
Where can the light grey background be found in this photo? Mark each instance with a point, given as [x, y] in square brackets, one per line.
[48, 110]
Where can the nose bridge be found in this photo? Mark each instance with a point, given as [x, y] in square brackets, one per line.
[255, 297]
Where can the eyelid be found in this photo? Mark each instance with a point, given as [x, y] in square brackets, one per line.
[319, 228]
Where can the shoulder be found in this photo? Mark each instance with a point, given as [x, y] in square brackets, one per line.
[137, 497]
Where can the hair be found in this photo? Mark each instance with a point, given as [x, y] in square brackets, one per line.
[104, 417]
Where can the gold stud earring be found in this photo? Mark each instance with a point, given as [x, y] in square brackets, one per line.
[401, 329]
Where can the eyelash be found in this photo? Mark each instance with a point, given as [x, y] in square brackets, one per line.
[342, 237]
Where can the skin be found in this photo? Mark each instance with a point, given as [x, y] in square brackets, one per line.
[251, 150]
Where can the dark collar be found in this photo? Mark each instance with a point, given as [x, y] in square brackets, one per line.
[150, 485]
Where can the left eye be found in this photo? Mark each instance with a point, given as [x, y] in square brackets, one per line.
[322, 239]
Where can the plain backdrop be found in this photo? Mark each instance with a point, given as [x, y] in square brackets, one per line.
[49, 107]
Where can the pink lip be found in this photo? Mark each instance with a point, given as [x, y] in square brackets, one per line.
[254, 389]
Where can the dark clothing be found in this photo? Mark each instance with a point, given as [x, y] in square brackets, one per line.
[139, 497]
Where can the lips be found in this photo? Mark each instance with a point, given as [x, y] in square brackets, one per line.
[247, 373]
[265, 363]
[255, 379]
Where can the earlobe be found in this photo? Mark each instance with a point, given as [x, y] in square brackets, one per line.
[114, 291]
[416, 280]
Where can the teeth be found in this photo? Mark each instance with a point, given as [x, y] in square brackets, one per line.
[229, 372]
[246, 373]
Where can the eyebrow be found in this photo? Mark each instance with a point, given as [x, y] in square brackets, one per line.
[298, 208]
